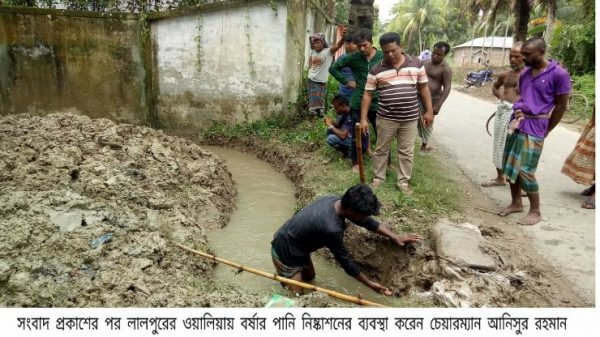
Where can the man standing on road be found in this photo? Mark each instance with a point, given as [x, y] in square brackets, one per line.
[508, 80]
[439, 76]
[544, 87]
[322, 224]
[397, 80]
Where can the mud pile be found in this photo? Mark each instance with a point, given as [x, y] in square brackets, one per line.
[89, 210]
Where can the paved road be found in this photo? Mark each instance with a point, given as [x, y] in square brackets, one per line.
[565, 237]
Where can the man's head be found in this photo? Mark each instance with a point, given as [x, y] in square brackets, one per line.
[317, 42]
[341, 105]
[515, 58]
[390, 45]
[364, 41]
[350, 44]
[359, 203]
[440, 50]
[533, 51]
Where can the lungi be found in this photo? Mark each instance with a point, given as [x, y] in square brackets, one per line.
[316, 96]
[521, 156]
[283, 269]
[424, 131]
[580, 164]
[503, 113]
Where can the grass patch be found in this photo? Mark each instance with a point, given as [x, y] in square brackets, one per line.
[435, 194]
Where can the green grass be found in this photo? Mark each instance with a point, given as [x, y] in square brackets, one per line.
[435, 194]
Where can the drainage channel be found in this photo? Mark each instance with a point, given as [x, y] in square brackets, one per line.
[265, 201]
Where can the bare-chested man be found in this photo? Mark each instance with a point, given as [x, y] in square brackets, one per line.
[509, 94]
[439, 76]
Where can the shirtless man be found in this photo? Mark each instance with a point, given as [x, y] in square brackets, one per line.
[509, 94]
[439, 76]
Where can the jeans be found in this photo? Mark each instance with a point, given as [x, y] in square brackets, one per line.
[342, 145]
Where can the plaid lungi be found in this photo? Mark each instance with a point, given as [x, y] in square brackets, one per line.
[283, 269]
[503, 113]
[521, 156]
[580, 164]
[316, 95]
[424, 131]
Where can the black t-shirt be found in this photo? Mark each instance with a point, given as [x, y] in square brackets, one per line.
[316, 226]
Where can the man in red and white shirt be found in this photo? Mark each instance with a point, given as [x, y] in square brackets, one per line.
[397, 80]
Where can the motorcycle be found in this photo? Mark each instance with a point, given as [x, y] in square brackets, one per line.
[478, 78]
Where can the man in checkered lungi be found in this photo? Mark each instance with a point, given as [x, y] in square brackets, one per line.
[544, 87]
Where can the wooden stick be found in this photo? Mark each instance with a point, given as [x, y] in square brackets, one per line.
[275, 277]
[359, 155]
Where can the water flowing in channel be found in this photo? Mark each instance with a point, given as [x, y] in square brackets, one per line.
[265, 201]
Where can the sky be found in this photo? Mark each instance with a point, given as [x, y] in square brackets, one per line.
[384, 9]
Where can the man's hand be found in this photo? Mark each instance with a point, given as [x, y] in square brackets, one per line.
[406, 238]
[519, 113]
[328, 121]
[364, 126]
[380, 289]
[428, 119]
[436, 109]
[351, 84]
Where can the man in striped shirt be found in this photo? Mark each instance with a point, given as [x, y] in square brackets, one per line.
[396, 80]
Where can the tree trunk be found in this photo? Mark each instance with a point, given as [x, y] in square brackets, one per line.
[550, 18]
[522, 12]
[420, 43]
[472, 40]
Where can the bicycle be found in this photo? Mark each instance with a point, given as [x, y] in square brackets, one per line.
[577, 108]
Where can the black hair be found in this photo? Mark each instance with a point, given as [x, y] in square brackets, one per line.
[536, 42]
[361, 200]
[443, 44]
[363, 34]
[349, 38]
[341, 99]
[389, 37]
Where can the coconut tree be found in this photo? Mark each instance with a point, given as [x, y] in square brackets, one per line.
[412, 16]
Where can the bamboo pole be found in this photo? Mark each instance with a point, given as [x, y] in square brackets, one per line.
[359, 155]
[275, 277]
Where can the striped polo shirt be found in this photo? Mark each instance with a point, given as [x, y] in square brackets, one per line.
[397, 89]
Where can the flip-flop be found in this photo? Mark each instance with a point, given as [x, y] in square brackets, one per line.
[589, 203]
[492, 183]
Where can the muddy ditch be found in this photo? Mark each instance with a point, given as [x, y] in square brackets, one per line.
[89, 210]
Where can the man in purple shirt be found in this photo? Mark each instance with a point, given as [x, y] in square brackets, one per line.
[544, 89]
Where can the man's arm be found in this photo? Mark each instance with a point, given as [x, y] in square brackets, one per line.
[447, 83]
[497, 84]
[340, 43]
[426, 97]
[398, 239]
[559, 110]
[336, 69]
[364, 109]
[338, 130]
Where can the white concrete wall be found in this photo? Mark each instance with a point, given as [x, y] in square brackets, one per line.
[223, 64]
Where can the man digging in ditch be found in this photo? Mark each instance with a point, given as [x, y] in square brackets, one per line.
[322, 224]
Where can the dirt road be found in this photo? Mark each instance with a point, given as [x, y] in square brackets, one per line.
[565, 237]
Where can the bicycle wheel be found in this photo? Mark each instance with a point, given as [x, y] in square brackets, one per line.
[577, 108]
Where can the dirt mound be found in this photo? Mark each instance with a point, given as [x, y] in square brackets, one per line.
[68, 180]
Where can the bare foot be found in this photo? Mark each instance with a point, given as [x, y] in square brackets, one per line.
[355, 168]
[510, 209]
[530, 219]
[494, 182]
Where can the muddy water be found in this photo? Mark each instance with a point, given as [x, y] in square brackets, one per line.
[265, 201]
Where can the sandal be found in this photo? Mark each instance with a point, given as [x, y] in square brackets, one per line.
[589, 203]
[491, 183]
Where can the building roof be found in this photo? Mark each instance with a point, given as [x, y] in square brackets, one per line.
[498, 42]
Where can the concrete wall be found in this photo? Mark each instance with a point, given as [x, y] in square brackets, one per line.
[83, 63]
[227, 64]
[231, 60]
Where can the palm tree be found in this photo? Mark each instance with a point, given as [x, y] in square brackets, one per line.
[412, 16]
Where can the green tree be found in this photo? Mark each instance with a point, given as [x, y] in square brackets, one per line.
[414, 18]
